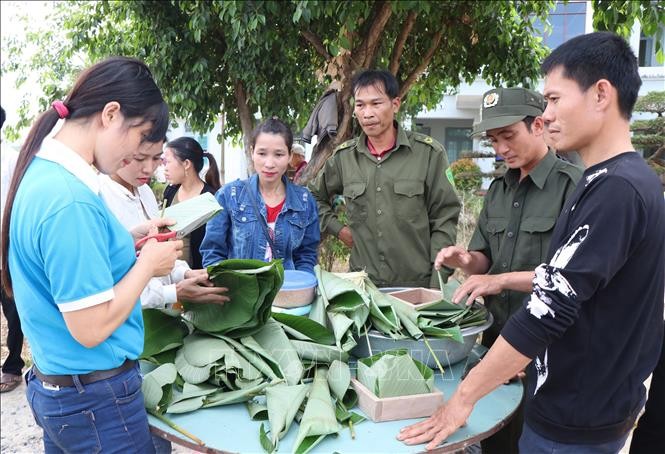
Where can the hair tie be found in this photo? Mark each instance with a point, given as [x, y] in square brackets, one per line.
[61, 108]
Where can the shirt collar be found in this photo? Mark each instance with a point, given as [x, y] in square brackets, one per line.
[539, 173]
[55, 151]
[402, 140]
[117, 188]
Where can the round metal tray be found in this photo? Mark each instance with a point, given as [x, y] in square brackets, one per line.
[446, 350]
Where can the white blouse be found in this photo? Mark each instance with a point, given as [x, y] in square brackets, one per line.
[132, 209]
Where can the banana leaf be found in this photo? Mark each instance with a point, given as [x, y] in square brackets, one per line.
[339, 378]
[186, 405]
[162, 332]
[253, 353]
[318, 309]
[189, 391]
[233, 397]
[258, 411]
[303, 328]
[273, 340]
[319, 419]
[343, 296]
[283, 402]
[157, 387]
[190, 373]
[252, 285]
[394, 373]
[341, 325]
[319, 353]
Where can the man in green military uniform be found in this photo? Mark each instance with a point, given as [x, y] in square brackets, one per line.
[515, 225]
[401, 207]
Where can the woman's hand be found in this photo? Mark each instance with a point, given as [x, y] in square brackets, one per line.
[160, 257]
[150, 227]
[196, 288]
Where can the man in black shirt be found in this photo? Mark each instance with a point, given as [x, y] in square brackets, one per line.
[592, 329]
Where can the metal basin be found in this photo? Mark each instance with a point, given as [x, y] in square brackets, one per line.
[447, 351]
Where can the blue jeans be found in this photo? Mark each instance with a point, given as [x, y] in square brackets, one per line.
[533, 443]
[107, 415]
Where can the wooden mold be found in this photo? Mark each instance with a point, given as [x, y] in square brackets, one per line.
[417, 296]
[396, 408]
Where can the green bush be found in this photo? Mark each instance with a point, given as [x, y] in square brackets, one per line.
[466, 174]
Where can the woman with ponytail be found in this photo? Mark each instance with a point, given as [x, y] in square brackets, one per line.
[184, 159]
[72, 267]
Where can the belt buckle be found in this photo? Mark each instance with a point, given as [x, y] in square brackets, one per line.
[50, 387]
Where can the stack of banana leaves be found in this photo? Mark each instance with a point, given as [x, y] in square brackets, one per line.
[283, 367]
[351, 307]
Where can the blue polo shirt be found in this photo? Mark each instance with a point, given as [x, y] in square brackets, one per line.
[66, 253]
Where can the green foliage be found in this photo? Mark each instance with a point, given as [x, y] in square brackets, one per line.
[653, 102]
[260, 59]
[619, 16]
[467, 174]
[333, 254]
[649, 135]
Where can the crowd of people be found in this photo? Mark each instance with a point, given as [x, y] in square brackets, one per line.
[569, 260]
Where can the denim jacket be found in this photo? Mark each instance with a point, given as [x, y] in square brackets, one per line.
[237, 232]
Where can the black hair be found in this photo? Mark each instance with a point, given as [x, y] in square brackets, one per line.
[273, 126]
[3, 116]
[126, 81]
[376, 78]
[602, 55]
[528, 121]
[186, 148]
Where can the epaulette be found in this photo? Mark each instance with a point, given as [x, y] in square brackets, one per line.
[348, 144]
[428, 141]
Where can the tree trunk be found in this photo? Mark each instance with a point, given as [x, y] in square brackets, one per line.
[246, 122]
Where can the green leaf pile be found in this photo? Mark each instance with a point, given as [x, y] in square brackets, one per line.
[252, 286]
[283, 367]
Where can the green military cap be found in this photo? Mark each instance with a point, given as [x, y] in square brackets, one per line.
[505, 106]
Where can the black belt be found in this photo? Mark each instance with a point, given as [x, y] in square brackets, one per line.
[97, 375]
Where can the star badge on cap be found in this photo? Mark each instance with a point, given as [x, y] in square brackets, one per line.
[491, 100]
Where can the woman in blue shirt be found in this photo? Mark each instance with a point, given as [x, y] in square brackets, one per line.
[266, 216]
[74, 271]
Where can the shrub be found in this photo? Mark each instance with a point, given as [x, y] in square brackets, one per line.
[466, 174]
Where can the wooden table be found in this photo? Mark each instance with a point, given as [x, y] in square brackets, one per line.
[229, 428]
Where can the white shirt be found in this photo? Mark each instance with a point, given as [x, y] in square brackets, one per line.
[8, 157]
[132, 209]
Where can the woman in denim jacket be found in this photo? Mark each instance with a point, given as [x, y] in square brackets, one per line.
[266, 209]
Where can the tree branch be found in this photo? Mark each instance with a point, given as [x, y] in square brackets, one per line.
[401, 40]
[424, 62]
[317, 43]
[366, 52]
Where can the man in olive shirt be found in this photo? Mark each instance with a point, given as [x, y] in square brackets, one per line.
[401, 207]
[517, 219]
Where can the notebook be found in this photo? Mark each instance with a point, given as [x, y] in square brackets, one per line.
[192, 214]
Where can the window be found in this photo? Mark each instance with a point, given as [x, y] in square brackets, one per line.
[567, 21]
[647, 54]
[458, 142]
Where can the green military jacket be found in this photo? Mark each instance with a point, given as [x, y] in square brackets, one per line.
[401, 208]
[516, 224]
